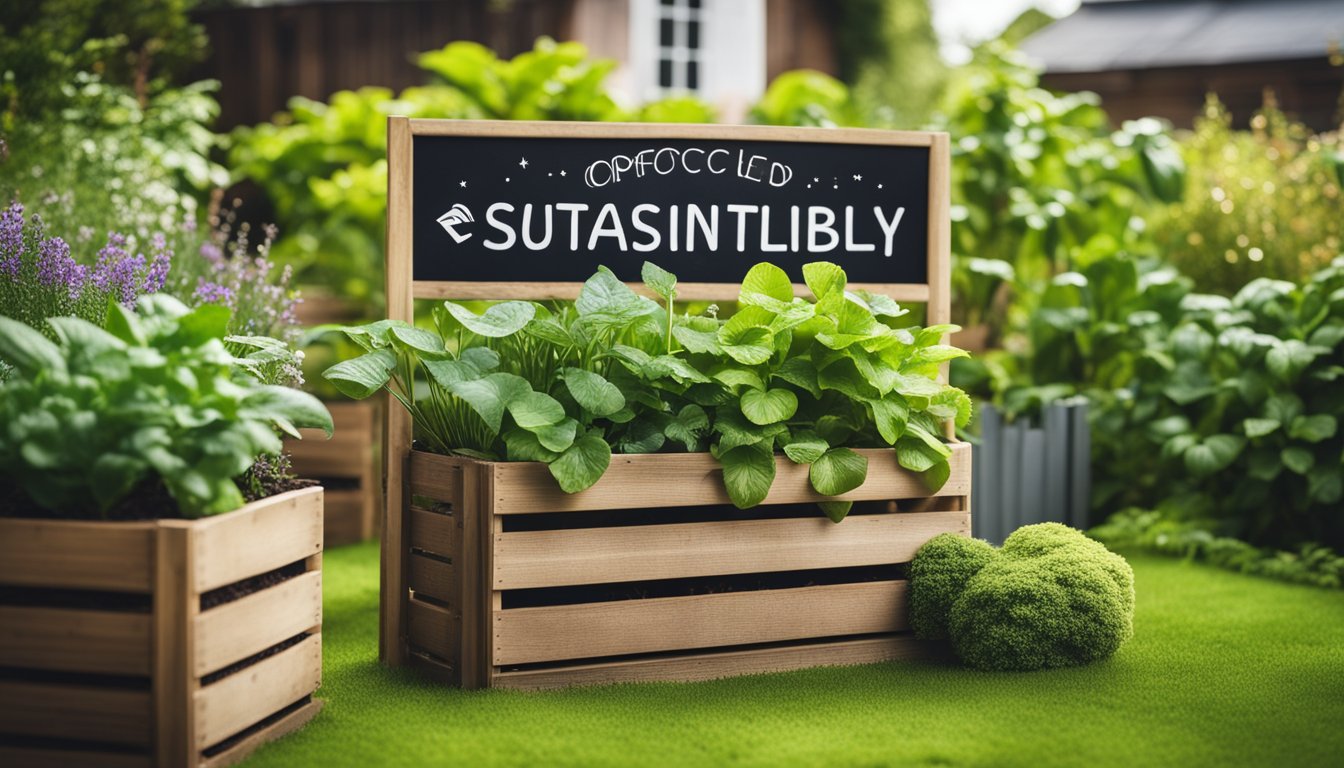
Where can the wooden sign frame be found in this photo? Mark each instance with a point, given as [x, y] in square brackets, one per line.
[402, 289]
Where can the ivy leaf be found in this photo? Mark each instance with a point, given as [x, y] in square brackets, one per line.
[748, 473]
[824, 278]
[361, 376]
[1313, 429]
[659, 280]
[1213, 454]
[835, 510]
[769, 406]
[582, 464]
[593, 392]
[838, 471]
[768, 280]
[498, 321]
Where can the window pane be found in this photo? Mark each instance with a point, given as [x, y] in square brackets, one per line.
[693, 75]
[664, 73]
[693, 35]
[669, 2]
[665, 33]
[695, 3]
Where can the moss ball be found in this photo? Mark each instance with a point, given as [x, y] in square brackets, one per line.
[1051, 538]
[938, 576]
[1054, 610]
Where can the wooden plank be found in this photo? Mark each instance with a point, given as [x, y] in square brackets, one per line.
[65, 640]
[176, 603]
[636, 481]
[238, 701]
[528, 559]
[710, 666]
[432, 578]
[81, 713]
[540, 291]
[397, 422]
[472, 581]
[239, 629]
[555, 633]
[433, 531]
[282, 727]
[345, 516]
[64, 554]
[435, 476]
[434, 629]
[588, 130]
[260, 537]
[32, 757]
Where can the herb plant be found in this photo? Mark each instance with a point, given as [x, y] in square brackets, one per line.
[618, 372]
[155, 396]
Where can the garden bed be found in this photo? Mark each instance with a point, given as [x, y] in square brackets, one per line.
[165, 642]
[651, 575]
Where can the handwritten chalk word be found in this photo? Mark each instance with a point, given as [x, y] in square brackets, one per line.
[695, 160]
[796, 229]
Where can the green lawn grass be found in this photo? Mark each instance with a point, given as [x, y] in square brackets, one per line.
[1223, 670]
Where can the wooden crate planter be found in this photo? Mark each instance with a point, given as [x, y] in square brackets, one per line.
[347, 464]
[116, 649]
[652, 575]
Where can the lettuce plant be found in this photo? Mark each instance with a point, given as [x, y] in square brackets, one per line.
[618, 372]
[88, 418]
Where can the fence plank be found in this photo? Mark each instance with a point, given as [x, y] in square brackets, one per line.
[1080, 476]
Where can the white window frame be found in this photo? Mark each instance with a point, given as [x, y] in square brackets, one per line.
[730, 56]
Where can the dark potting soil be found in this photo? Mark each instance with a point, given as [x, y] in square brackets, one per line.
[240, 589]
[239, 666]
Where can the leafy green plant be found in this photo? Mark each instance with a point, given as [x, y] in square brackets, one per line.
[1259, 203]
[1157, 531]
[1050, 597]
[617, 372]
[155, 397]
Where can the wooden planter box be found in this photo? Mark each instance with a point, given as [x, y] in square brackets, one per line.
[120, 643]
[347, 465]
[651, 574]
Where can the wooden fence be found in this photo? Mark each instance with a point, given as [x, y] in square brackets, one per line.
[1025, 473]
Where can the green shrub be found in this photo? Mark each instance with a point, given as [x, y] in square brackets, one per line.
[938, 576]
[1050, 597]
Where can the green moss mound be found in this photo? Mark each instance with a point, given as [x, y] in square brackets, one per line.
[1051, 597]
[938, 576]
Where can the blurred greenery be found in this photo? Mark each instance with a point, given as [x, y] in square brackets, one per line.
[1259, 203]
[888, 53]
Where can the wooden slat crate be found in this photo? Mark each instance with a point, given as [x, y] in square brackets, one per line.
[347, 464]
[652, 575]
[117, 649]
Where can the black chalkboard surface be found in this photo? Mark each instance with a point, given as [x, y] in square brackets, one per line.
[549, 209]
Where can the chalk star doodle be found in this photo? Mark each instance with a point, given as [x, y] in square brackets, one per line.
[523, 163]
[879, 186]
[456, 216]
[858, 177]
[563, 173]
[550, 174]
[507, 179]
[815, 180]
[462, 184]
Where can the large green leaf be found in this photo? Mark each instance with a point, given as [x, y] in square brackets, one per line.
[490, 396]
[769, 406]
[659, 280]
[523, 445]
[287, 408]
[424, 344]
[582, 464]
[824, 278]
[27, 350]
[534, 410]
[838, 471]
[1213, 454]
[605, 299]
[835, 510]
[1259, 427]
[1313, 429]
[748, 473]
[361, 376]
[768, 280]
[1298, 459]
[498, 321]
[890, 414]
[593, 392]
[1288, 359]
[806, 447]
[687, 426]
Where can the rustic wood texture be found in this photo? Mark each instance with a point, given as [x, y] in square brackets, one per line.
[176, 604]
[102, 556]
[433, 578]
[433, 532]
[247, 745]
[434, 629]
[349, 516]
[435, 476]
[281, 530]
[710, 666]
[32, 757]
[695, 479]
[84, 713]
[237, 630]
[241, 700]
[69, 640]
[439, 289]
[397, 423]
[528, 559]
[555, 633]
[348, 453]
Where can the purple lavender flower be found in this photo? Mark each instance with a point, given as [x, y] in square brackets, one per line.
[11, 240]
[56, 268]
[116, 270]
[215, 293]
[157, 274]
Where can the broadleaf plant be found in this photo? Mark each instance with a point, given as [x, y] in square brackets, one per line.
[616, 372]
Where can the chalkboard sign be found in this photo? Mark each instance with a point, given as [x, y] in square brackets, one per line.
[483, 209]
